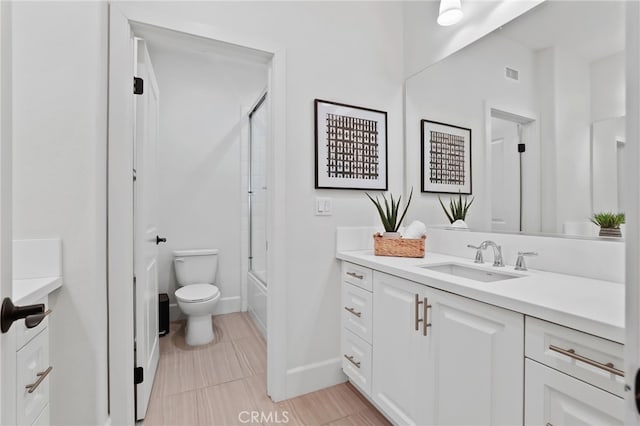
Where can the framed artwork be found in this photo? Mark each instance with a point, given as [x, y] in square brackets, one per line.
[351, 147]
[446, 158]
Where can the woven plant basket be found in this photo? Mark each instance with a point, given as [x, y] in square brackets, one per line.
[399, 247]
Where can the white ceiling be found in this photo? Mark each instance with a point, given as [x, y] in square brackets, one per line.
[591, 29]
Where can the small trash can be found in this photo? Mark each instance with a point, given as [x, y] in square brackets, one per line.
[163, 314]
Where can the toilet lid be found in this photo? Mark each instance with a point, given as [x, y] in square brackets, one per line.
[197, 292]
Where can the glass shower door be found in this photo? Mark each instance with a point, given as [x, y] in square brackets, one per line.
[258, 126]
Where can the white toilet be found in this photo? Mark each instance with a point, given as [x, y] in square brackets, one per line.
[197, 296]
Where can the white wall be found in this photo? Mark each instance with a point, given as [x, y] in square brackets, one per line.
[457, 91]
[348, 52]
[59, 182]
[426, 42]
[608, 87]
[199, 156]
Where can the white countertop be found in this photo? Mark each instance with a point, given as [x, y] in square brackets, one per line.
[592, 306]
[30, 290]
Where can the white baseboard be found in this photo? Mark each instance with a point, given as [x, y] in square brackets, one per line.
[259, 325]
[313, 377]
[226, 305]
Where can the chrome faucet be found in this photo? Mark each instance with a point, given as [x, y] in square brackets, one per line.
[497, 252]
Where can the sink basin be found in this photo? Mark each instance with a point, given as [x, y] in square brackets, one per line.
[470, 273]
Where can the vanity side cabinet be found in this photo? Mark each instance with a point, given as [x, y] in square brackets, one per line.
[356, 325]
[400, 350]
[554, 398]
[477, 362]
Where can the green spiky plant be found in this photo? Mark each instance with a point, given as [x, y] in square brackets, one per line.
[457, 209]
[389, 213]
[608, 220]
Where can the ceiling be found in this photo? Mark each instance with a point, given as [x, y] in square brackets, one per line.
[591, 29]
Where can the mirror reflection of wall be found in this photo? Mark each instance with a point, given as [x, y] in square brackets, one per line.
[558, 73]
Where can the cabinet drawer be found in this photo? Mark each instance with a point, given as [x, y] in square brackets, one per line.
[578, 354]
[357, 275]
[356, 360]
[24, 334]
[32, 363]
[554, 398]
[357, 309]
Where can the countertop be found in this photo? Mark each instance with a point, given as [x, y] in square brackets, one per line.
[28, 291]
[592, 306]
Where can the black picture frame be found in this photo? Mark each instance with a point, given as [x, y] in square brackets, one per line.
[446, 177]
[356, 164]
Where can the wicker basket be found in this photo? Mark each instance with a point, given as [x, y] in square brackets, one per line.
[399, 247]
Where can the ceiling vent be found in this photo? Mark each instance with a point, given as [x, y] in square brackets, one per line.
[512, 74]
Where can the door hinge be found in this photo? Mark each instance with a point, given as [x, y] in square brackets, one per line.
[138, 375]
[134, 280]
[138, 86]
[521, 147]
[135, 175]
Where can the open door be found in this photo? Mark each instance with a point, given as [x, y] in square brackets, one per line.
[8, 387]
[146, 237]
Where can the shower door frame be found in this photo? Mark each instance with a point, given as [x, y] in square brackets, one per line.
[261, 102]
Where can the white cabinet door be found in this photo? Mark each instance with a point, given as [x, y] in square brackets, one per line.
[399, 361]
[476, 358]
[554, 398]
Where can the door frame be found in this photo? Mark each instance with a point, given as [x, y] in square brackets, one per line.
[123, 18]
[632, 209]
[8, 392]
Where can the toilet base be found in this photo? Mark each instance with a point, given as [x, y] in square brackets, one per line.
[199, 330]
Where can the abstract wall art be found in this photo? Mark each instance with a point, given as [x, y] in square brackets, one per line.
[446, 158]
[350, 147]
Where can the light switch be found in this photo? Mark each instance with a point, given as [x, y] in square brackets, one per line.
[323, 206]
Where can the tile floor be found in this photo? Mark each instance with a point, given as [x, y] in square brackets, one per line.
[224, 383]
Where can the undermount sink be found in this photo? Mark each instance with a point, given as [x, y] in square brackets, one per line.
[470, 273]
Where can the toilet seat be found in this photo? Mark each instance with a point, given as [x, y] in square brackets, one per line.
[194, 293]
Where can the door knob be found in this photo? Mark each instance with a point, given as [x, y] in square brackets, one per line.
[33, 314]
[160, 240]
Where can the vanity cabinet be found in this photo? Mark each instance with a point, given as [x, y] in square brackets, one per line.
[33, 369]
[439, 358]
[572, 377]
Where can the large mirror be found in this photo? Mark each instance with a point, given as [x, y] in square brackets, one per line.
[544, 99]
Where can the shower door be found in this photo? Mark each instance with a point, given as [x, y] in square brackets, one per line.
[258, 127]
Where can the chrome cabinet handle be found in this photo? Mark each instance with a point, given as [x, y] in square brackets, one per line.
[418, 320]
[353, 311]
[354, 275]
[425, 311]
[41, 376]
[350, 358]
[571, 353]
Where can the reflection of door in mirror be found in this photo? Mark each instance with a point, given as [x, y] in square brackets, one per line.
[513, 178]
[607, 147]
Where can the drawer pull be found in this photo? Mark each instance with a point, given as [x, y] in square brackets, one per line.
[418, 303]
[571, 353]
[350, 359]
[354, 275]
[353, 311]
[41, 376]
[425, 308]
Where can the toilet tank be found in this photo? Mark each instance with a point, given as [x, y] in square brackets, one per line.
[195, 266]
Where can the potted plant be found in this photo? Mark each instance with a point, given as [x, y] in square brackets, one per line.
[457, 212]
[389, 214]
[609, 223]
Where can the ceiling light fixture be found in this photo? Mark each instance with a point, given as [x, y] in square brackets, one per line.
[450, 12]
